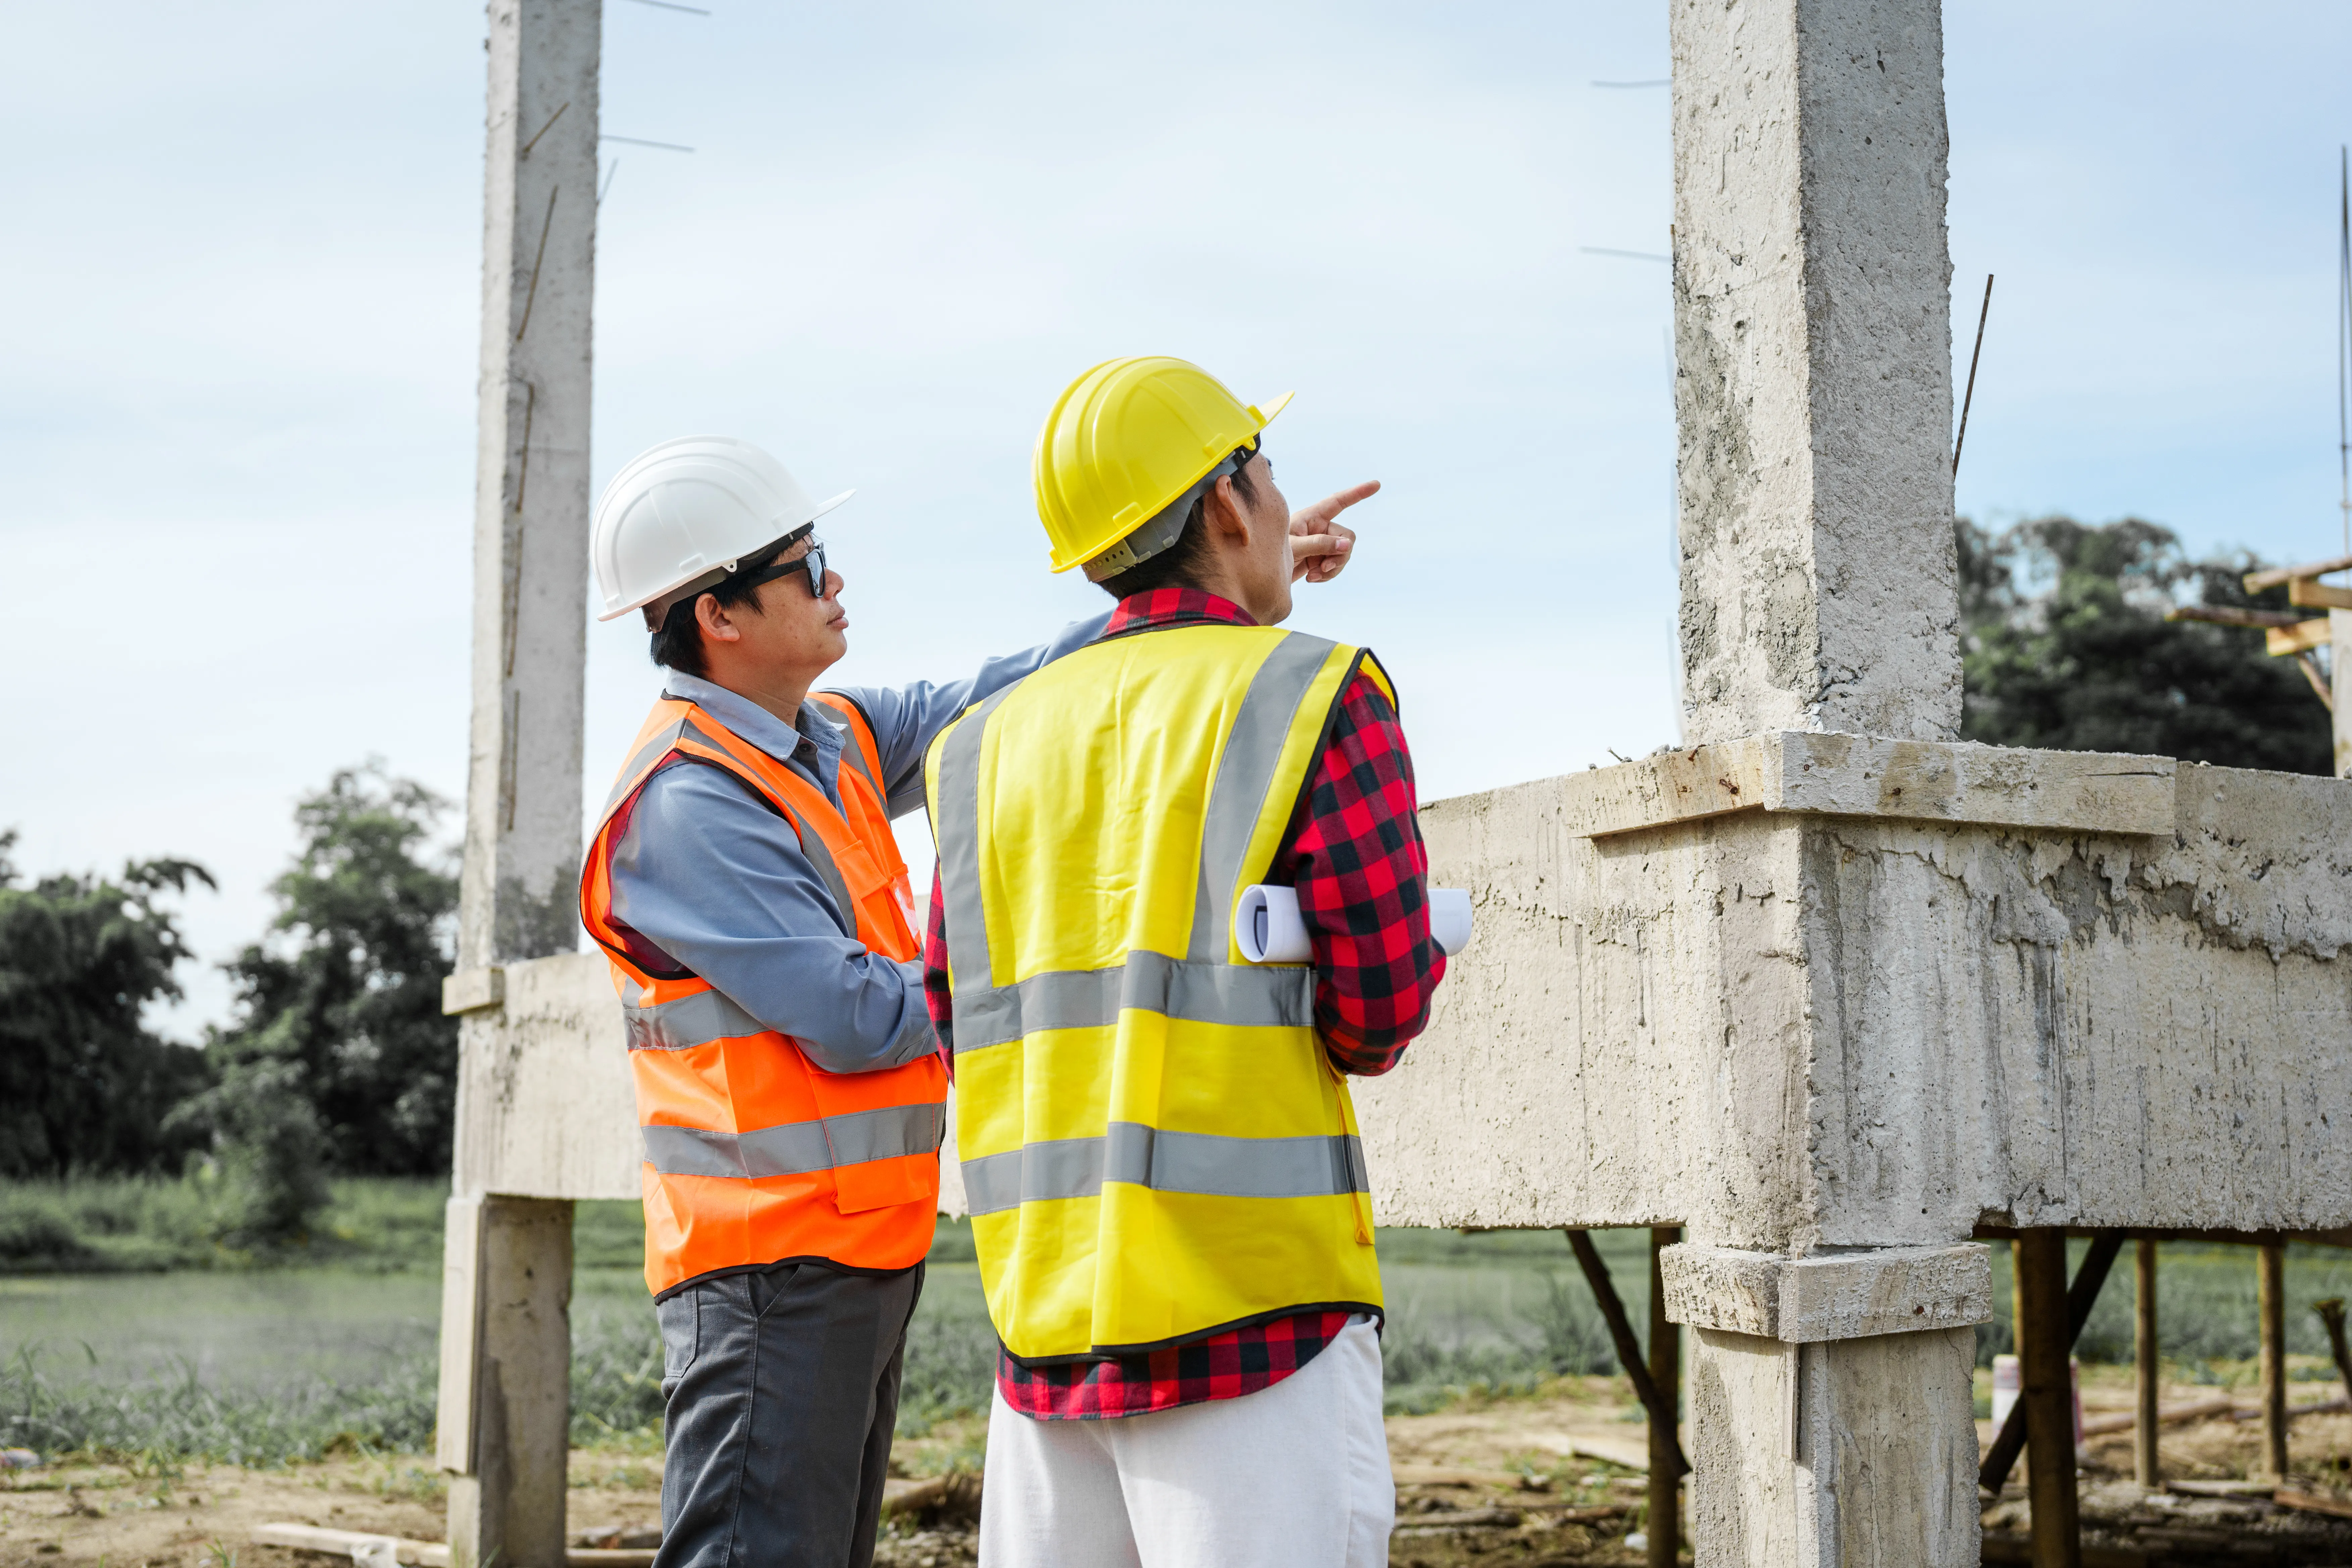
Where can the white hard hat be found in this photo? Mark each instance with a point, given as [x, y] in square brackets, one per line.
[688, 510]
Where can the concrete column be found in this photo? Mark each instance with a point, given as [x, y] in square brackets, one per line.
[1813, 369]
[506, 1379]
[506, 1334]
[1831, 1403]
[530, 495]
[1831, 1400]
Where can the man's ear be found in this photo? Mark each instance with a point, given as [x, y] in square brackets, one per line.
[714, 620]
[1224, 512]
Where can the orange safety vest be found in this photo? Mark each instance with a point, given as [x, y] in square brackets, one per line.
[754, 1154]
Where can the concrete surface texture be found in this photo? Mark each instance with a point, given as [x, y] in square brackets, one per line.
[1814, 385]
[531, 535]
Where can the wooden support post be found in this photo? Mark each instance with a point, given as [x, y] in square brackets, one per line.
[2043, 1347]
[2146, 1370]
[1620, 1334]
[506, 1379]
[2016, 1296]
[2080, 1297]
[1665, 1513]
[2272, 1299]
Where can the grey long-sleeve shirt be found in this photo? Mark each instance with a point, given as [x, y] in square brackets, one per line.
[712, 877]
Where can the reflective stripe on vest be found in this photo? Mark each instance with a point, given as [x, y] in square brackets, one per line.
[1048, 1046]
[798, 1147]
[1167, 1163]
[753, 1154]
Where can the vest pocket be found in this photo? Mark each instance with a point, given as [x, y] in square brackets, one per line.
[885, 1184]
[887, 1155]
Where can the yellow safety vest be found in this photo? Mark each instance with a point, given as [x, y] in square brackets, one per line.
[1155, 1145]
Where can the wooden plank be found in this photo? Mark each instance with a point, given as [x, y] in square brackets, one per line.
[426, 1553]
[1624, 1454]
[2168, 1415]
[2221, 1488]
[2273, 576]
[2231, 616]
[349, 1543]
[461, 1334]
[1454, 1476]
[2310, 594]
[2300, 638]
[2309, 1503]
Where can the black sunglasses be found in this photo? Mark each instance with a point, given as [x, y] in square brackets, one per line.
[812, 564]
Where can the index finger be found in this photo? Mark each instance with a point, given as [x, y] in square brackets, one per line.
[1332, 505]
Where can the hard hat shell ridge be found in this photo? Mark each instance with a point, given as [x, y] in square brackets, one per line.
[1125, 439]
[690, 508]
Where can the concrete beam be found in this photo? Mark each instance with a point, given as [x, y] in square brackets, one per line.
[1847, 1030]
[1859, 775]
[1813, 369]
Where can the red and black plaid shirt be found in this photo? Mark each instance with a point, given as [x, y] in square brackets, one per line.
[1353, 851]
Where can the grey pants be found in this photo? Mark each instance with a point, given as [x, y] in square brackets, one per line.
[780, 1388]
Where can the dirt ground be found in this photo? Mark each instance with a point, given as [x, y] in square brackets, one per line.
[1545, 1480]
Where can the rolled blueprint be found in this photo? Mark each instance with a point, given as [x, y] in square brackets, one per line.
[1270, 931]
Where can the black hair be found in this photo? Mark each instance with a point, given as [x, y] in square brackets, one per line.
[678, 644]
[1181, 564]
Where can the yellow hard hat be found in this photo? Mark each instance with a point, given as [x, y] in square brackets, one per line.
[1123, 442]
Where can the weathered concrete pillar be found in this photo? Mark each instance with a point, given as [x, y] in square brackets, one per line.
[1813, 369]
[1829, 1282]
[506, 1339]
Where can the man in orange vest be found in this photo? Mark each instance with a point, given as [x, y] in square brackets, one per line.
[746, 888]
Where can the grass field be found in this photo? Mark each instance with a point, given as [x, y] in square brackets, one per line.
[123, 1328]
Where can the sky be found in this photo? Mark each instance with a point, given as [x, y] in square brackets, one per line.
[236, 355]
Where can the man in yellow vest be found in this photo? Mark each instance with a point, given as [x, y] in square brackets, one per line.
[1157, 1147]
[745, 886]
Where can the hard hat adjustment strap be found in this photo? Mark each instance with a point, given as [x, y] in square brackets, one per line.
[1166, 526]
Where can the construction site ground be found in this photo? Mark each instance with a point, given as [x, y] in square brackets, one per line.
[1549, 1479]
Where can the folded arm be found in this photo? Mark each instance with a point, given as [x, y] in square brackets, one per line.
[708, 873]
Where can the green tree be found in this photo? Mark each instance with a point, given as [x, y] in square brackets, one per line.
[83, 1084]
[341, 1058]
[2066, 646]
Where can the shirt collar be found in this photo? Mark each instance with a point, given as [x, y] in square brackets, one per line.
[754, 723]
[1174, 607]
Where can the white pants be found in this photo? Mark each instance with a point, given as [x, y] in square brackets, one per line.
[1294, 1475]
